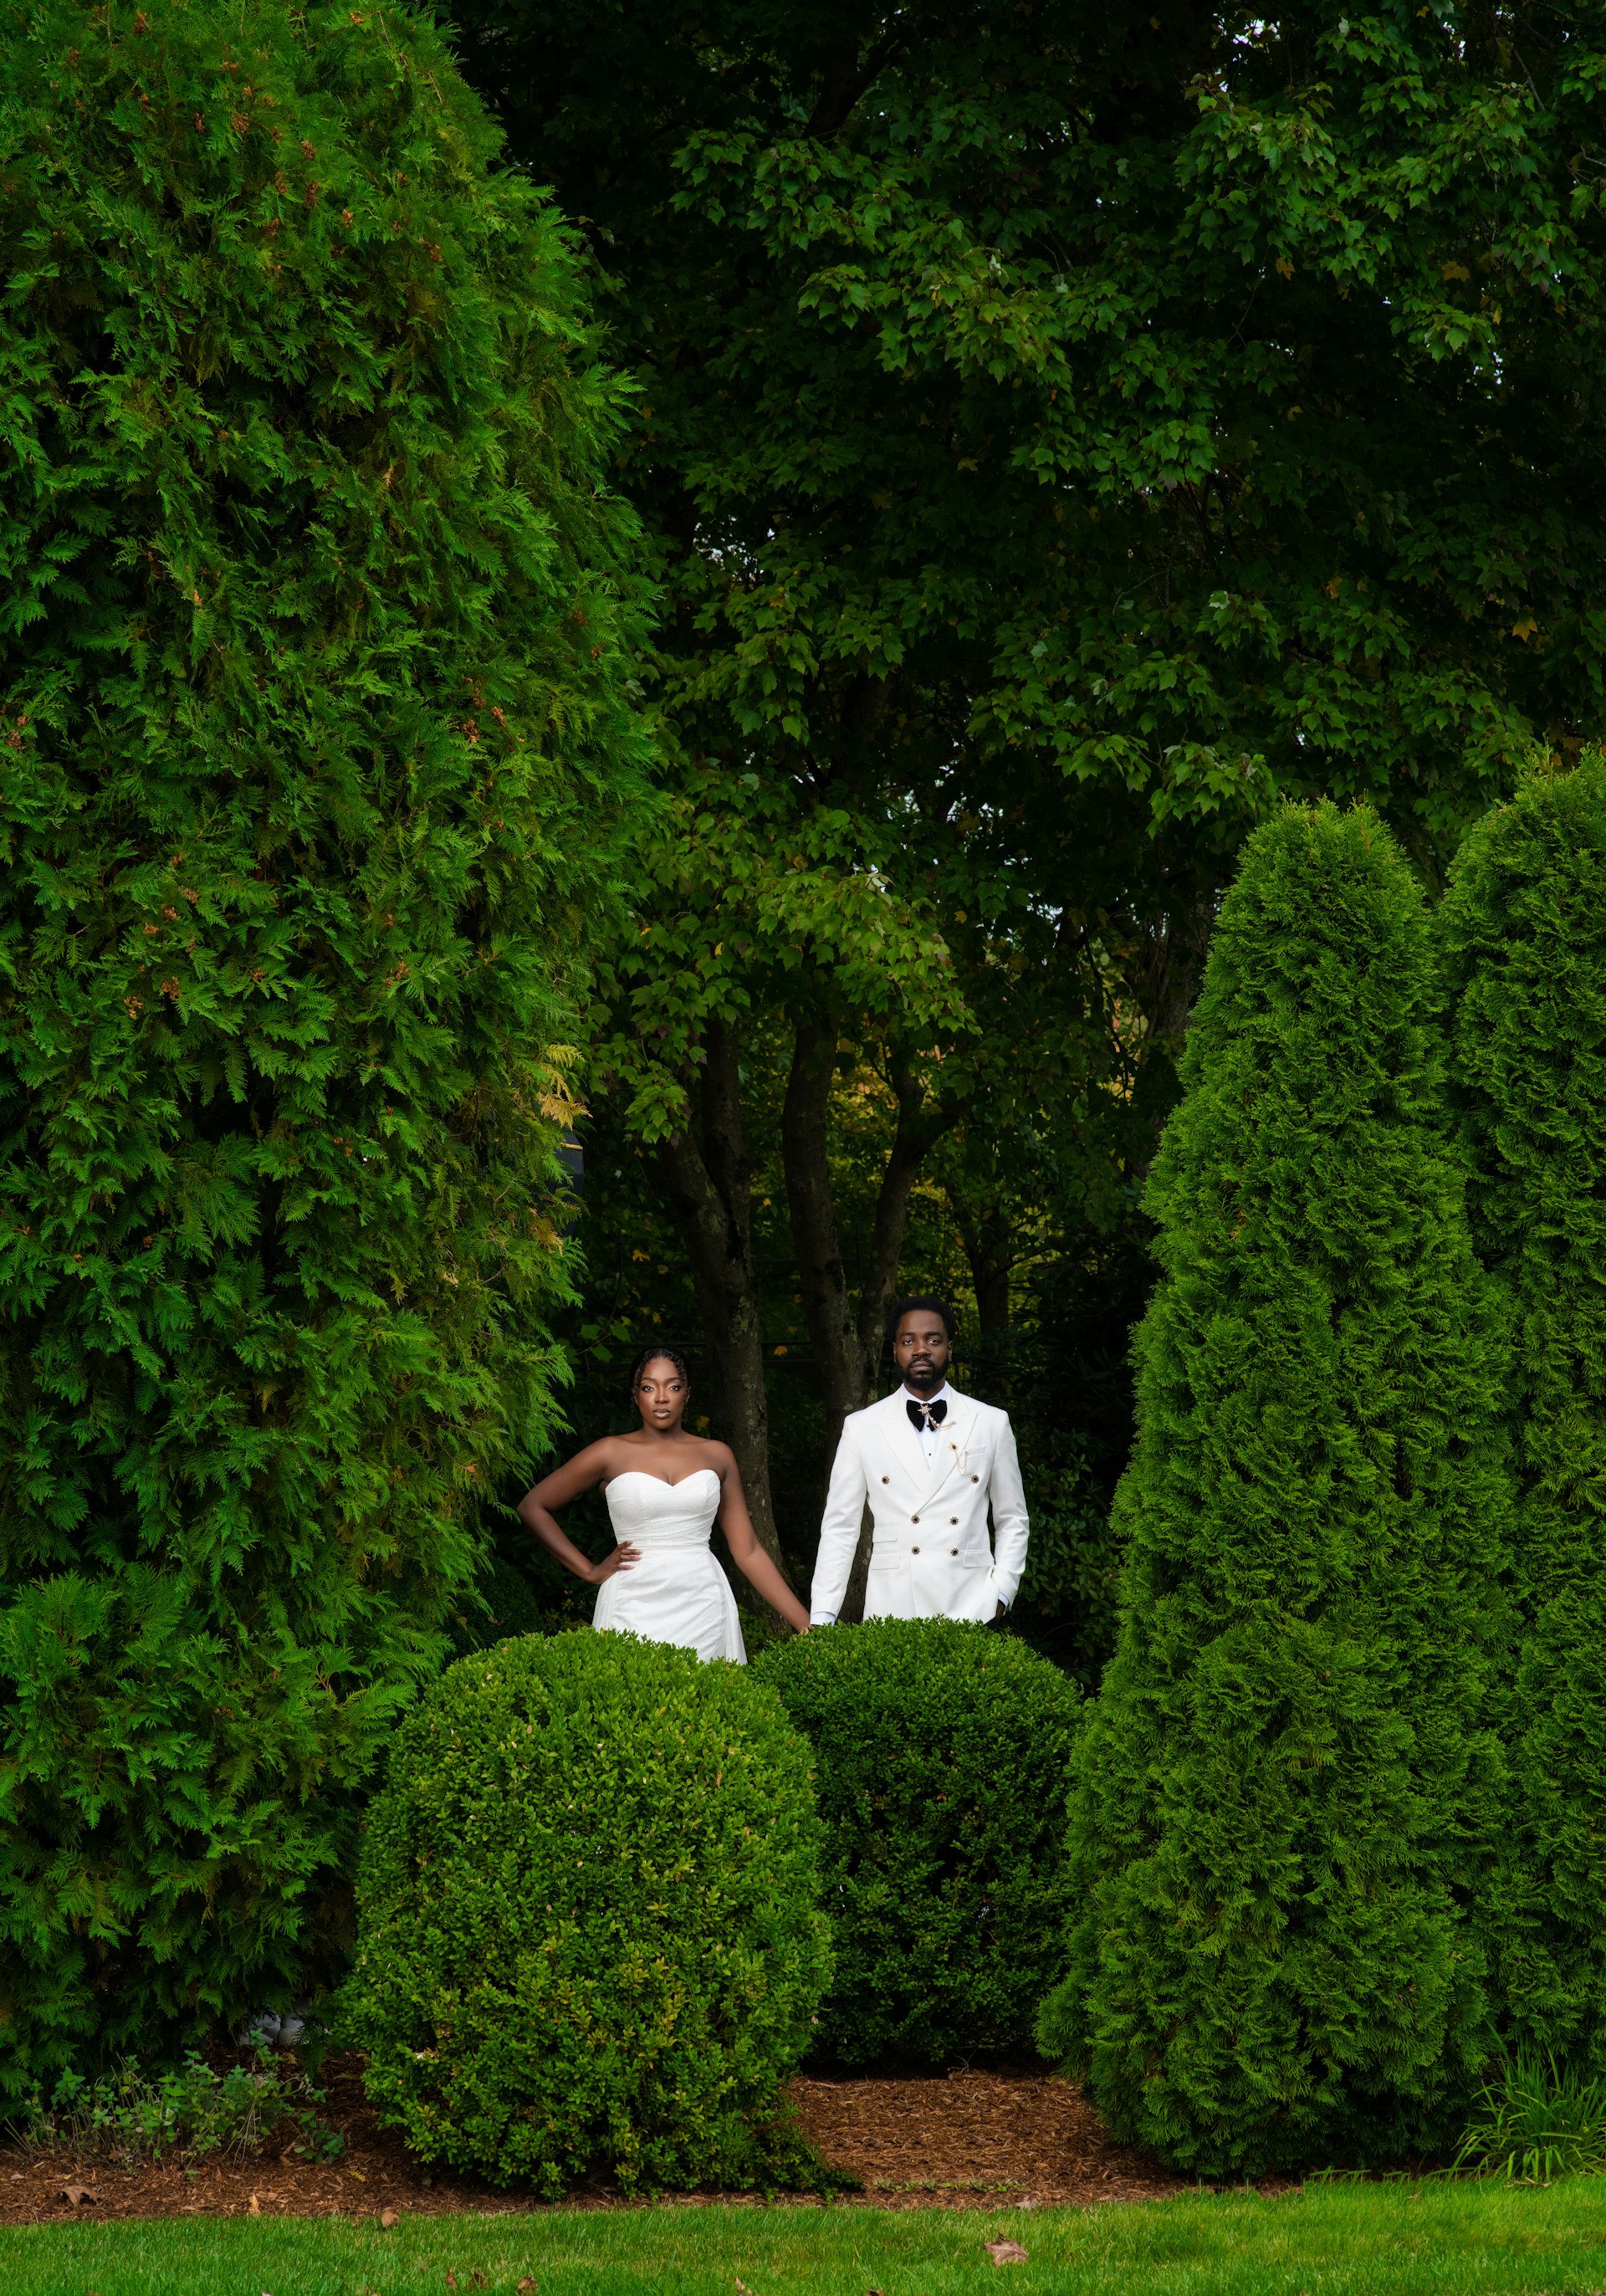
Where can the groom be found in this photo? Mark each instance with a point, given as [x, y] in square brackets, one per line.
[929, 1461]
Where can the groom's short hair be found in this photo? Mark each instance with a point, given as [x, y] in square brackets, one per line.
[932, 1306]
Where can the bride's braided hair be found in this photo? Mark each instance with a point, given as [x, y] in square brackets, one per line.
[656, 1354]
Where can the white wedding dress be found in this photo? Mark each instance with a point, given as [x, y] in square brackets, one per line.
[677, 1592]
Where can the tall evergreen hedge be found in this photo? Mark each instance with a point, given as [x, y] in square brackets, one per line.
[1281, 1796]
[1523, 935]
[313, 752]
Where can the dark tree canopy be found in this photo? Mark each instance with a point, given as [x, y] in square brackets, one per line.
[315, 762]
[1059, 424]
[1181, 397]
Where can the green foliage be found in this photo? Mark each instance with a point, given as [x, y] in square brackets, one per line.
[501, 1605]
[1284, 1796]
[939, 1753]
[1538, 2121]
[1107, 400]
[589, 1927]
[1057, 425]
[191, 2112]
[315, 760]
[1523, 934]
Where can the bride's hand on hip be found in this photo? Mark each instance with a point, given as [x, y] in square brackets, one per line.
[623, 1555]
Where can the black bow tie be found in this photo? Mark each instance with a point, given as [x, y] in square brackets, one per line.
[926, 1414]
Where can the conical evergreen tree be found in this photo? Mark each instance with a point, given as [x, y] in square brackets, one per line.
[1280, 1798]
[313, 758]
[1522, 929]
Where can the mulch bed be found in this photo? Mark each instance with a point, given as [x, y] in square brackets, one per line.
[980, 2139]
[968, 2139]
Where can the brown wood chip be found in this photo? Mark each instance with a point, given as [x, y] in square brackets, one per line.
[975, 2140]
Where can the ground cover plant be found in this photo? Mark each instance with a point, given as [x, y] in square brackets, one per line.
[1396, 2238]
[589, 1930]
[1537, 2120]
[1522, 934]
[1287, 1796]
[315, 754]
[192, 2111]
[940, 1753]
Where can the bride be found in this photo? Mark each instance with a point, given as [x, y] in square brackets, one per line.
[665, 1489]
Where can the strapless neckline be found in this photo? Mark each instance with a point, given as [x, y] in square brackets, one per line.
[675, 1591]
[663, 1481]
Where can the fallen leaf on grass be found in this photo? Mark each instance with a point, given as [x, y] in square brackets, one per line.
[527, 2286]
[1005, 2251]
[79, 2195]
[388, 2216]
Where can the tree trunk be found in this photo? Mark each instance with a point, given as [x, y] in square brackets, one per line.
[708, 1182]
[848, 1349]
[827, 1309]
[988, 1240]
[920, 1125]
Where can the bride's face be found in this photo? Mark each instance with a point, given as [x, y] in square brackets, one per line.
[661, 1395]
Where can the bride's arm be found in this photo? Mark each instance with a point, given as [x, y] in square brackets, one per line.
[749, 1557]
[583, 1472]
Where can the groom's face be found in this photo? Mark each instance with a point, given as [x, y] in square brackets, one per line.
[921, 1349]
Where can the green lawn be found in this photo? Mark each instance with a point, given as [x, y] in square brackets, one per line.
[1344, 2239]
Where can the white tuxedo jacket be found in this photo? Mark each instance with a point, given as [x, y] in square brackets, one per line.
[930, 1558]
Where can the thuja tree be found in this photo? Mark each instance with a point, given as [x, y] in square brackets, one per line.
[316, 748]
[1523, 929]
[1282, 1800]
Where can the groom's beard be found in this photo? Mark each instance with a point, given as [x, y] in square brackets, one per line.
[922, 1379]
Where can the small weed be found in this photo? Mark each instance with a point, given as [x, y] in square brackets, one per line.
[191, 2113]
[1537, 2121]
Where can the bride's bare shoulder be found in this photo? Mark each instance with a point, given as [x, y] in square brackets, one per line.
[610, 1455]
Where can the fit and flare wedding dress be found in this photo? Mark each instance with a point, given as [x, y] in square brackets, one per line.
[677, 1592]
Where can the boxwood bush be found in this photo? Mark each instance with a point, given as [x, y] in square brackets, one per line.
[589, 1925]
[940, 1756]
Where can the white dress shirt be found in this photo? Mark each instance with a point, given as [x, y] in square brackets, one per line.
[929, 1436]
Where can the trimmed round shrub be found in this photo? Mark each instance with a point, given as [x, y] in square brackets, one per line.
[316, 625]
[589, 1927]
[940, 1756]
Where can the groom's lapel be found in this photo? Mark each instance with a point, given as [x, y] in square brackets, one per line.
[905, 1436]
[953, 1439]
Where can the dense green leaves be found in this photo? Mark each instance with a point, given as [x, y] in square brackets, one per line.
[1286, 1797]
[1197, 398]
[589, 1934]
[314, 760]
[940, 1752]
[1057, 425]
[1523, 934]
